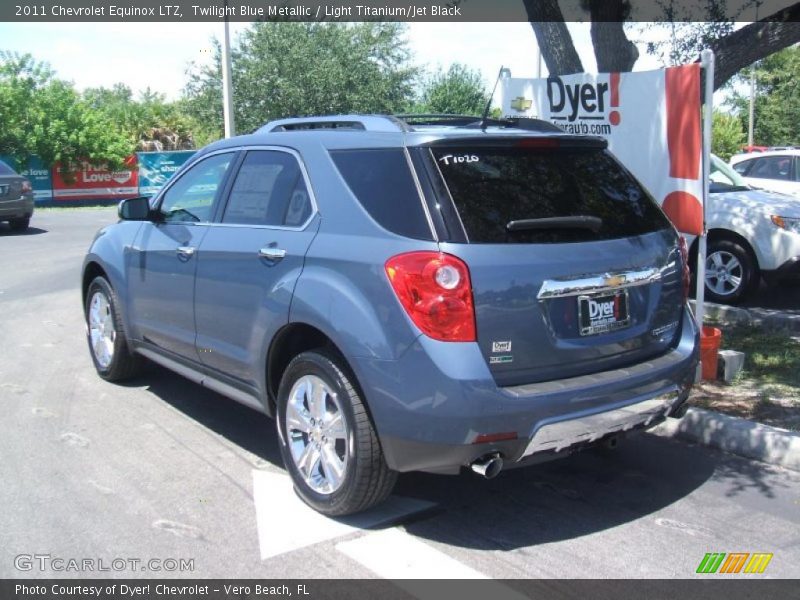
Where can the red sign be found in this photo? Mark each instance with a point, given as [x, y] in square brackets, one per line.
[95, 182]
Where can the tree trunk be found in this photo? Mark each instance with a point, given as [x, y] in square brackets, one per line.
[558, 50]
[755, 41]
[612, 48]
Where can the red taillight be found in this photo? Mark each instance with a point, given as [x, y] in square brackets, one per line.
[687, 274]
[27, 188]
[436, 292]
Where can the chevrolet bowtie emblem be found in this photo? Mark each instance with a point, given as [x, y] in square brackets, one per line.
[521, 103]
[614, 280]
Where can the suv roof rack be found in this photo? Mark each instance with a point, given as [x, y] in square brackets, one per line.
[403, 123]
[385, 123]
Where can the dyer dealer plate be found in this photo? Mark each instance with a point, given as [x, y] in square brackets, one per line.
[601, 313]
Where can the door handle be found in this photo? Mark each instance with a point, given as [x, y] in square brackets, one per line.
[185, 251]
[269, 253]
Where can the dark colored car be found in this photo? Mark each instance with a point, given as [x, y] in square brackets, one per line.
[426, 296]
[16, 198]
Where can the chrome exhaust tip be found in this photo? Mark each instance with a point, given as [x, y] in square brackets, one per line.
[488, 466]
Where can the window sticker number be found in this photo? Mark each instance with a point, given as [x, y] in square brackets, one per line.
[459, 159]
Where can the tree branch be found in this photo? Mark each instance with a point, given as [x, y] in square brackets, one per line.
[612, 48]
[553, 38]
[755, 41]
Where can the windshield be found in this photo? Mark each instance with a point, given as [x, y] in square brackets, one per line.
[723, 178]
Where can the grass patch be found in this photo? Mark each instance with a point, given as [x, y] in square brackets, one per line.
[773, 357]
[767, 389]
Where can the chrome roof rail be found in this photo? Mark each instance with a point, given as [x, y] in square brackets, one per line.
[382, 123]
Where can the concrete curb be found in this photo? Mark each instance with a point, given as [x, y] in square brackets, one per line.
[739, 436]
[764, 317]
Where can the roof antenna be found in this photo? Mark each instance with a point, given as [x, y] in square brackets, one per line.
[483, 123]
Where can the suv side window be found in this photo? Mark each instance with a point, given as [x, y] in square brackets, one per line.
[191, 198]
[381, 181]
[772, 167]
[743, 167]
[269, 189]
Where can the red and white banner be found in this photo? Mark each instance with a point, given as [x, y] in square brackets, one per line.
[651, 120]
[87, 181]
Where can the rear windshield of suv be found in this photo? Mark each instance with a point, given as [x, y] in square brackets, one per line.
[493, 186]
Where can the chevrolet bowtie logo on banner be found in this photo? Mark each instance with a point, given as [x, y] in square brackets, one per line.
[521, 103]
[736, 562]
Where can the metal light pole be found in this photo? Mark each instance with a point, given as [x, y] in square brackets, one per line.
[707, 61]
[227, 88]
[751, 117]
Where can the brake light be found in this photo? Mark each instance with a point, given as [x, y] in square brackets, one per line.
[687, 274]
[27, 188]
[536, 142]
[435, 291]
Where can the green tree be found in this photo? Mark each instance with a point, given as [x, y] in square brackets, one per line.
[283, 69]
[148, 122]
[777, 100]
[41, 114]
[727, 135]
[459, 90]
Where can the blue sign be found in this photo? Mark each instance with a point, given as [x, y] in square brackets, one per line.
[37, 173]
[155, 169]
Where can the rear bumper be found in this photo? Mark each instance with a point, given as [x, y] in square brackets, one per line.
[430, 411]
[16, 209]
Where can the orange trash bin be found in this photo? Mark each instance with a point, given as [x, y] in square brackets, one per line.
[710, 340]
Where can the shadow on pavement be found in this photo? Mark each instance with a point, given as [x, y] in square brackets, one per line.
[241, 425]
[5, 230]
[576, 496]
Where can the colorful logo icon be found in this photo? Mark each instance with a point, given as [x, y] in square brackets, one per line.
[734, 562]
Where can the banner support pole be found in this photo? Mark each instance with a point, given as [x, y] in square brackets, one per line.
[707, 62]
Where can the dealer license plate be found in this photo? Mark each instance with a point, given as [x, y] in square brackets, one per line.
[601, 313]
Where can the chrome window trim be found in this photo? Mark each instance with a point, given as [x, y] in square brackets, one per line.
[449, 194]
[234, 150]
[420, 193]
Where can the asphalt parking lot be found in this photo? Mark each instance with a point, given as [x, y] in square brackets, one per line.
[161, 470]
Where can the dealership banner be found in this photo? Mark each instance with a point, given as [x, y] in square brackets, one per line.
[87, 181]
[155, 168]
[37, 173]
[651, 120]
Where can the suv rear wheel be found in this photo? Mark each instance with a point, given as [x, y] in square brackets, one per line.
[326, 437]
[106, 336]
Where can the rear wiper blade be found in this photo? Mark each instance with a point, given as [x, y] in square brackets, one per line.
[575, 222]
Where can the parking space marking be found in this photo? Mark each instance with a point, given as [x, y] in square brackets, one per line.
[395, 554]
[406, 560]
[285, 523]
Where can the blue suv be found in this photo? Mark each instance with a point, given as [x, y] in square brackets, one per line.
[418, 294]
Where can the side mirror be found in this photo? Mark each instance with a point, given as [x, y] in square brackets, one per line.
[134, 209]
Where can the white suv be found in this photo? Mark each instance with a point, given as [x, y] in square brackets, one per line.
[775, 170]
[751, 234]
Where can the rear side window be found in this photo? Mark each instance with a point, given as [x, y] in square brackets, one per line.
[491, 187]
[269, 189]
[5, 169]
[382, 182]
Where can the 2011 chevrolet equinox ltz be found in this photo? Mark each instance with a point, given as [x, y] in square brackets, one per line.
[420, 294]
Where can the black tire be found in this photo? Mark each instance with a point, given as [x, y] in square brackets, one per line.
[367, 479]
[19, 224]
[123, 363]
[720, 253]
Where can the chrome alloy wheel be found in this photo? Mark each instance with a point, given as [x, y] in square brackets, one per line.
[724, 273]
[316, 429]
[101, 329]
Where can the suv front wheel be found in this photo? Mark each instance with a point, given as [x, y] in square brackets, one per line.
[327, 440]
[731, 273]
